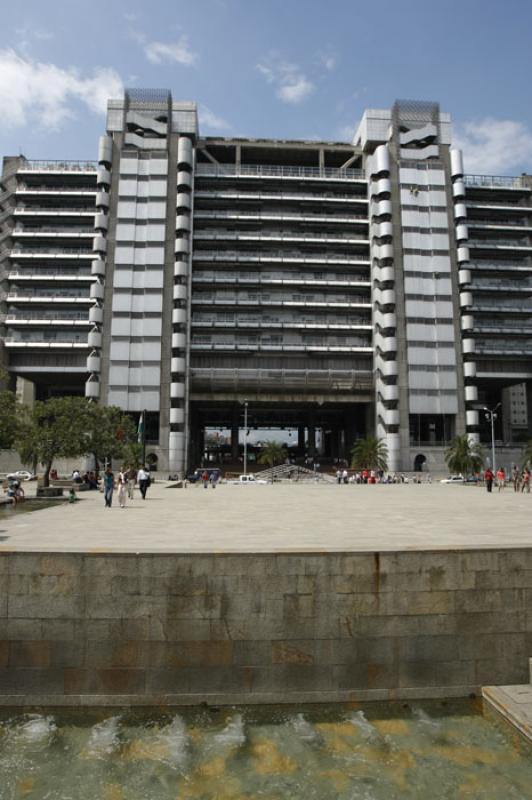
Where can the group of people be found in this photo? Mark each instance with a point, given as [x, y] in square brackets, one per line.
[520, 479]
[125, 481]
[372, 476]
[88, 479]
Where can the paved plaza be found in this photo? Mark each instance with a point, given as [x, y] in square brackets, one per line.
[278, 518]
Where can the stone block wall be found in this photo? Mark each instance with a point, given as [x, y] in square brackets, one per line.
[105, 628]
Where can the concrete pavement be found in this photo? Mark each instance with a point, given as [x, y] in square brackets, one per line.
[278, 518]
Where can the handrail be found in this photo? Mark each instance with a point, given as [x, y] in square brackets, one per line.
[57, 166]
[498, 181]
[263, 170]
[282, 255]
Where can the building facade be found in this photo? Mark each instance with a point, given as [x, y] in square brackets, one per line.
[334, 289]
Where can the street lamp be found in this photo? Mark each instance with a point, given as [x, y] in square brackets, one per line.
[492, 416]
[245, 437]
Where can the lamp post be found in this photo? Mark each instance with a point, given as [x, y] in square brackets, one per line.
[492, 416]
[245, 437]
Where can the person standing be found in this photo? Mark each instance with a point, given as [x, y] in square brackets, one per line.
[144, 480]
[122, 487]
[525, 483]
[515, 478]
[205, 479]
[108, 487]
[488, 479]
[501, 479]
[131, 481]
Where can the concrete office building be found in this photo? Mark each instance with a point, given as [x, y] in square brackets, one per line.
[371, 287]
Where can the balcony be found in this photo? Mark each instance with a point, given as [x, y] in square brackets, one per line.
[81, 274]
[260, 196]
[265, 216]
[497, 182]
[302, 380]
[58, 166]
[279, 348]
[274, 256]
[46, 297]
[282, 236]
[64, 231]
[265, 171]
[47, 211]
[63, 190]
[18, 318]
[51, 252]
[267, 281]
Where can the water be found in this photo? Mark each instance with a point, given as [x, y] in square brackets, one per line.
[427, 752]
[8, 509]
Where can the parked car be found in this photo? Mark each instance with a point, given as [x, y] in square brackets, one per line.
[214, 472]
[249, 478]
[454, 479]
[21, 475]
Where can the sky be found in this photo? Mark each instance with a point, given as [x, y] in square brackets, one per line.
[286, 69]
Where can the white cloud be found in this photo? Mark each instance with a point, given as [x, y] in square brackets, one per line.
[31, 91]
[291, 84]
[209, 119]
[328, 60]
[494, 146]
[178, 52]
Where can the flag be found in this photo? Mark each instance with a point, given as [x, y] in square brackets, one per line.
[140, 429]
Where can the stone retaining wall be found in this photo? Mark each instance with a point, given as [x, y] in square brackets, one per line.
[105, 628]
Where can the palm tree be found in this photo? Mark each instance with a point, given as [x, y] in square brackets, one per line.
[271, 453]
[527, 453]
[369, 453]
[464, 456]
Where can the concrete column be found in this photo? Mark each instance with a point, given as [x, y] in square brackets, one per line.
[301, 440]
[25, 391]
[369, 419]
[528, 389]
[311, 434]
[234, 435]
[201, 443]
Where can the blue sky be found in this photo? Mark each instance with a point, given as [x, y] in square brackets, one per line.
[275, 68]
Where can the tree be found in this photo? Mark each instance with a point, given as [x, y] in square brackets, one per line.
[10, 418]
[111, 433]
[464, 456]
[369, 453]
[54, 428]
[272, 453]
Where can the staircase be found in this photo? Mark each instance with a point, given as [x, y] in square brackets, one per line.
[294, 473]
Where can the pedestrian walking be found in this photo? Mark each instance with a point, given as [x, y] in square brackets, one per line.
[122, 487]
[131, 482]
[108, 487]
[345, 476]
[525, 482]
[205, 479]
[144, 480]
[501, 479]
[488, 479]
[515, 478]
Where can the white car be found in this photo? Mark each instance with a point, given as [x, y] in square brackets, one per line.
[22, 475]
[247, 479]
[453, 479]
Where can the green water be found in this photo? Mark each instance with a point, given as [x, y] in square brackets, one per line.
[425, 751]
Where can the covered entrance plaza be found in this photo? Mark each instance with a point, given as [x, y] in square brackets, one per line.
[324, 429]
